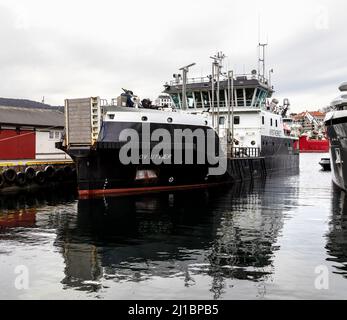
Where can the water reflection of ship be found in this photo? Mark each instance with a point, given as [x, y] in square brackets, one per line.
[337, 236]
[228, 236]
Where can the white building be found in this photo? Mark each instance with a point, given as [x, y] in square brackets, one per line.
[164, 100]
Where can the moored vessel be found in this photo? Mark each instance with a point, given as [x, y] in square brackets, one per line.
[309, 128]
[325, 164]
[309, 144]
[221, 128]
[336, 124]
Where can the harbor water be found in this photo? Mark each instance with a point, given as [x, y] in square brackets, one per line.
[285, 238]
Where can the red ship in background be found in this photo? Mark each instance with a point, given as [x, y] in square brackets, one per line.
[308, 144]
[309, 128]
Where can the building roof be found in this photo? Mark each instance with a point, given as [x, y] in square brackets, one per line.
[315, 114]
[34, 117]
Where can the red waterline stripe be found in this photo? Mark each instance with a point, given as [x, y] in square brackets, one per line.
[133, 191]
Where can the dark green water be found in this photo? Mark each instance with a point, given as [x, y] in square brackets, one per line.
[260, 241]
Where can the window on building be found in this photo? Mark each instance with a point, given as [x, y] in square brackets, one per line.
[263, 120]
[236, 120]
[276, 123]
[57, 135]
[51, 135]
[271, 122]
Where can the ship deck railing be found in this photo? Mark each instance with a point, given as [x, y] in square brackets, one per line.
[225, 78]
[240, 103]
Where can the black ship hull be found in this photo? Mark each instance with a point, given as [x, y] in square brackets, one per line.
[337, 133]
[100, 171]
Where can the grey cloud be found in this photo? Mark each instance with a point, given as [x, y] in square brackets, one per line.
[46, 61]
[314, 59]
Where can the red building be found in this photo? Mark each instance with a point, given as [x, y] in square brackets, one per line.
[30, 133]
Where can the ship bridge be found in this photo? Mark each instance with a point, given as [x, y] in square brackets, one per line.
[250, 92]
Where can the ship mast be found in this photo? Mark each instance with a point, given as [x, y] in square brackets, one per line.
[185, 71]
[261, 61]
[216, 71]
[230, 112]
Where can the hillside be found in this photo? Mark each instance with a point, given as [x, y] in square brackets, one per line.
[24, 103]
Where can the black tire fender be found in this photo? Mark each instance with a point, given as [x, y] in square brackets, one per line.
[40, 177]
[30, 173]
[10, 175]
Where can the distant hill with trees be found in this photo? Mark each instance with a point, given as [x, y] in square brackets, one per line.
[24, 103]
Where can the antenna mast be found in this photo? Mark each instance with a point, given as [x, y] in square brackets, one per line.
[216, 71]
[261, 61]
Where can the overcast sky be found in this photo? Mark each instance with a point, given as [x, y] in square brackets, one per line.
[65, 49]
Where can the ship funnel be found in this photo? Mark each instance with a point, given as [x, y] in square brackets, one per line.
[343, 86]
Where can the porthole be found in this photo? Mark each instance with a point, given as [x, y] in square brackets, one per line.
[144, 118]
[171, 179]
[169, 120]
[253, 143]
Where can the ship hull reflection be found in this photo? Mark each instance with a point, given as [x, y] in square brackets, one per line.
[227, 235]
